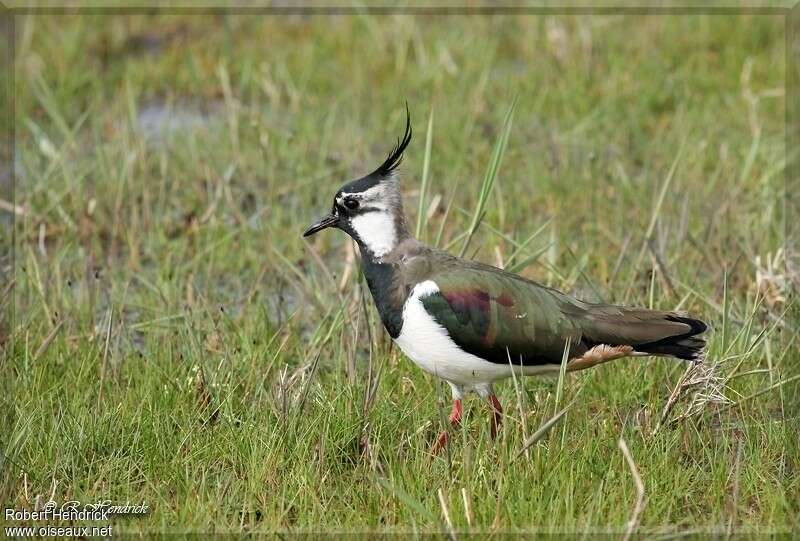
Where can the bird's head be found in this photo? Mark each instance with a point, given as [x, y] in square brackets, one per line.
[370, 208]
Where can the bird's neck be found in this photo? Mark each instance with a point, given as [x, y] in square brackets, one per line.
[383, 282]
[381, 250]
[379, 233]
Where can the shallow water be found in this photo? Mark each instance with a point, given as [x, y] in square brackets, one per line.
[160, 121]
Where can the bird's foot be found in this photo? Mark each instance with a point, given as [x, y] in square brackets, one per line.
[497, 414]
[455, 420]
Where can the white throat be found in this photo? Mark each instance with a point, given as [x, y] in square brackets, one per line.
[377, 231]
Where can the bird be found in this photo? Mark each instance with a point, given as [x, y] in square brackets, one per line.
[472, 324]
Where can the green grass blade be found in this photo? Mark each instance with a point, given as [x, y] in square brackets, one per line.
[489, 177]
[423, 189]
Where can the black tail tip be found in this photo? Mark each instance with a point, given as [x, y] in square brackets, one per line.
[688, 349]
[697, 326]
[688, 346]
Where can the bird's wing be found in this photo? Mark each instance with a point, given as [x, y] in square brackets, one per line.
[503, 318]
[500, 317]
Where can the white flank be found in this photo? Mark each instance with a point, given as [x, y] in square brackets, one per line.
[431, 348]
[376, 230]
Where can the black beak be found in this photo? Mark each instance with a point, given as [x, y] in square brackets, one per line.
[327, 221]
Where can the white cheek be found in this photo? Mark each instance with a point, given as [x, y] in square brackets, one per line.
[376, 230]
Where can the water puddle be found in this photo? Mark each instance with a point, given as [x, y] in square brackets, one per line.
[160, 121]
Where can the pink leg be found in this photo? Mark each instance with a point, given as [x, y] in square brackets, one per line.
[497, 414]
[455, 420]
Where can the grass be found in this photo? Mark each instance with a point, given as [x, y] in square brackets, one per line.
[175, 342]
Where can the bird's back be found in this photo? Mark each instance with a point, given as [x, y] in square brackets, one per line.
[500, 316]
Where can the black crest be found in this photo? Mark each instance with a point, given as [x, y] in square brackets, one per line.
[396, 155]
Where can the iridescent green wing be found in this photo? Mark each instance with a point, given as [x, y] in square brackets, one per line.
[495, 316]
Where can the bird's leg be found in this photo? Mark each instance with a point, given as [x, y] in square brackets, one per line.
[455, 420]
[497, 414]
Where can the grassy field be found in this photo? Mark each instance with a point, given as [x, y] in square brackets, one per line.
[176, 342]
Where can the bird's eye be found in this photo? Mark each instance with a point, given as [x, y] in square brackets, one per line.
[351, 204]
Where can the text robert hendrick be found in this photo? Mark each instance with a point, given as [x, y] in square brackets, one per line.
[57, 514]
[100, 511]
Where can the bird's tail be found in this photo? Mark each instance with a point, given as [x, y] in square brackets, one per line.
[652, 332]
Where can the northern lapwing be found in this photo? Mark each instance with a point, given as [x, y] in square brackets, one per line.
[471, 324]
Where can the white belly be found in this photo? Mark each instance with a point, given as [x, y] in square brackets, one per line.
[427, 343]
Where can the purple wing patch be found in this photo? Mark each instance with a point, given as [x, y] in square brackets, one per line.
[472, 307]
